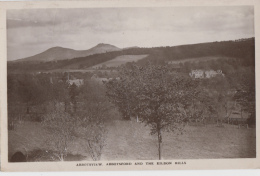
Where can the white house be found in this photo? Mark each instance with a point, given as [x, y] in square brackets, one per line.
[77, 82]
[197, 74]
[205, 74]
[98, 79]
[213, 73]
[101, 80]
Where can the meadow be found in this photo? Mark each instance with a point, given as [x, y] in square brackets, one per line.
[120, 60]
[131, 140]
[198, 59]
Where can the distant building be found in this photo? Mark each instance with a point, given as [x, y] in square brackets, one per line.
[98, 79]
[232, 91]
[77, 82]
[101, 80]
[205, 74]
[212, 73]
[197, 74]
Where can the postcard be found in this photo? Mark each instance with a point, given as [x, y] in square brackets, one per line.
[129, 85]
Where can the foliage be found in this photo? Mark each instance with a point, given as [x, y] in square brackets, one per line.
[154, 94]
[28, 90]
[60, 126]
[73, 93]
[120, 93]
[92, 129]
[221, 97]
[92, 117]
[245, 95]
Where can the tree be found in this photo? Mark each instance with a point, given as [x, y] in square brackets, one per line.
[120, 92]
[59, 93]
[28, 90]
[91, 127]
[221, 97]
[156, 94]
[92, 116]
[244, 81]
[73, 93]
[194, 102]
[60, 126]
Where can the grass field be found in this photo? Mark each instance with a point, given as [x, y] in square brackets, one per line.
[129, 140]
[120, 60]
[197, 59]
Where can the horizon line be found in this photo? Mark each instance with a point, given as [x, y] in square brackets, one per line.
[132, 46]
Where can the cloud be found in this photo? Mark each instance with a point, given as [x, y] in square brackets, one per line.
[35, 30]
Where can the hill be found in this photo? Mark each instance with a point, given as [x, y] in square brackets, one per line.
[59, 53]
[242, 50]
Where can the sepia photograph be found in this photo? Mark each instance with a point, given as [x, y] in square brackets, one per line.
[154, 85]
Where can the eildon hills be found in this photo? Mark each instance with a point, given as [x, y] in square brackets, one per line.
[60, 53]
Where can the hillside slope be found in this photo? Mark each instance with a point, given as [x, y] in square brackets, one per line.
[59, 53]
[244, 50]
[120, 60]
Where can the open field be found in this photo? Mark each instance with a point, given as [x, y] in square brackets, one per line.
[78, 70]
[120, 60]
[129, 140]
[198, 59]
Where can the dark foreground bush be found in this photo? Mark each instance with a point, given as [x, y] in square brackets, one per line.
[18, 157]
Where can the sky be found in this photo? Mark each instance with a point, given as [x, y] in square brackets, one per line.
[33, 31]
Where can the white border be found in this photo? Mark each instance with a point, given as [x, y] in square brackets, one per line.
[71, 166]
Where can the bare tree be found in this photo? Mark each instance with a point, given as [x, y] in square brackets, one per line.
[60, 126]
[91, 123]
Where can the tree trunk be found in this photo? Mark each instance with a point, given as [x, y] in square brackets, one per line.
[193, 109]
[75, 107]
[226, 108]
[62, 158]
[65, 106]
[128, 112]
[54, 105]
[28, 110]
[126, 117]
[159, 142]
